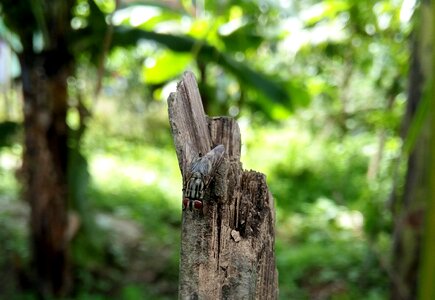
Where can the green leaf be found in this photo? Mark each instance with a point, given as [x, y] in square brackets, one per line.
[256, 80]
[163, 17]
[167, 66]
[243, 38]
[106, 6]
[125, 36]
[8, 130]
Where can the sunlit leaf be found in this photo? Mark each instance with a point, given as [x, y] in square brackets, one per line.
[279, 112]
[161, 4]
[165, 67]
[200, 28]
[299, 93]
[106, 6]
[160, 19]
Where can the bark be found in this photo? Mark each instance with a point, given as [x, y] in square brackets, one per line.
[411, 213]
[227, 247]
[45, 165]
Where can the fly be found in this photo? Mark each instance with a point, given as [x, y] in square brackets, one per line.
[199, 175]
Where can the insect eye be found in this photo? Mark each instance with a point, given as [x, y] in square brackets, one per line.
[197, 204]
[185, 202]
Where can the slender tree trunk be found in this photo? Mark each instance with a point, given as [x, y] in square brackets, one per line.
[412, 210]
[44, 166]
[45, 67]
[227, 247]
[427, 271]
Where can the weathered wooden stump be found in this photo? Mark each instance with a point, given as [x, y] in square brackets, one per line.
[228, 240]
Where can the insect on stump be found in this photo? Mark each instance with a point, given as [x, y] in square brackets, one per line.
[198, 175]
[228, 221]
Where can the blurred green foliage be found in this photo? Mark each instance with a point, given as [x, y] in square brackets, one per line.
[326, 106]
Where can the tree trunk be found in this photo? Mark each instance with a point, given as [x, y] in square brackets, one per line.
[44, 166]
[227, 246]
[427, 270]
[411, 214]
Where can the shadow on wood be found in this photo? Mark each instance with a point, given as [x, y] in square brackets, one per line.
[228, 245]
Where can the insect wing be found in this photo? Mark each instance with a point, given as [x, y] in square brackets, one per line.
[208, 164]
[215, 156]
[199, 174]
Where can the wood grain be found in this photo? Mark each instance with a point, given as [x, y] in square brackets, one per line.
[228, 247]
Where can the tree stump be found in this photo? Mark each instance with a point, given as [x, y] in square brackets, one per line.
[228, 244]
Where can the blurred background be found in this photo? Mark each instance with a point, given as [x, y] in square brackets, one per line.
[327, 95]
